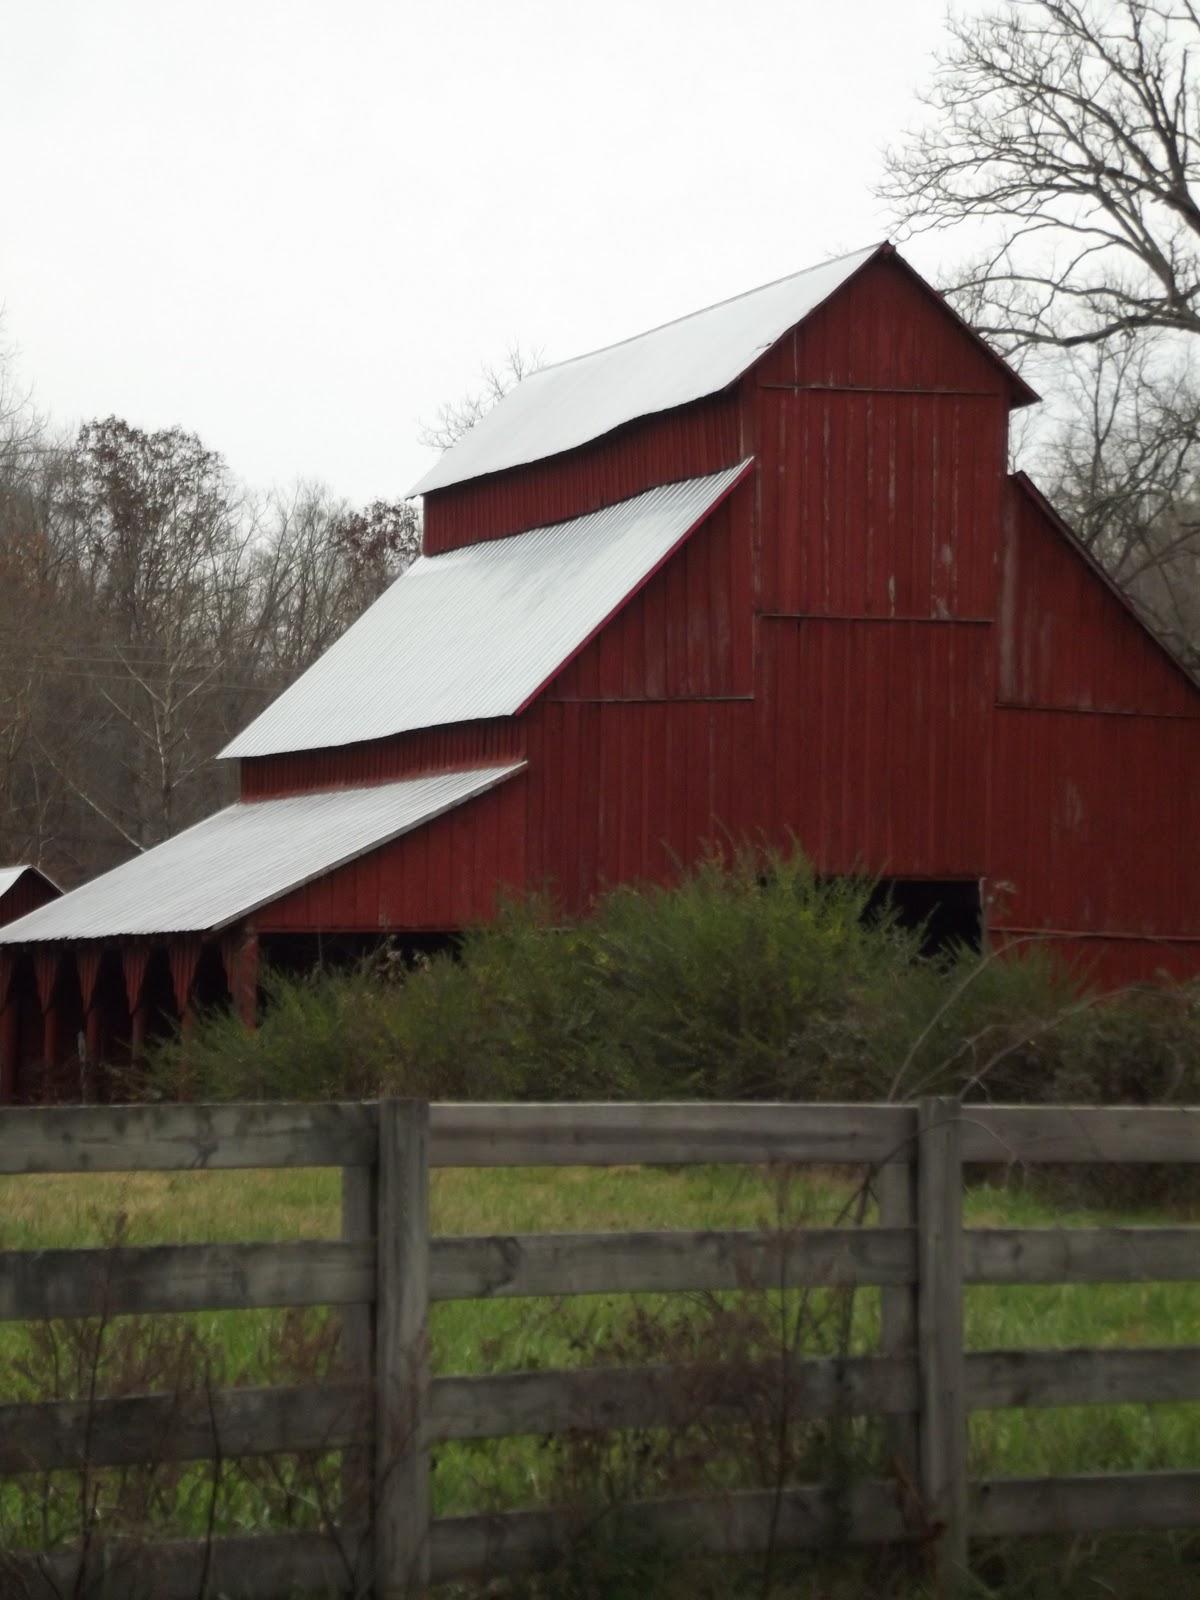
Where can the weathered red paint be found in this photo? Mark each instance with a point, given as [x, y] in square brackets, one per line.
[689, 633]
[490, 743]
[1067, 639]
[441, 877]
[240, 956]
[135, 959]
[183, 954]
[871, 738]
[686, 443]
[1096, 769]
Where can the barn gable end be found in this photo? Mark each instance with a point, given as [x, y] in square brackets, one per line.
[886, 426]
[1068, 639]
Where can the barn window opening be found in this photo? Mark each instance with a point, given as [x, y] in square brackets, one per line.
[950, 910]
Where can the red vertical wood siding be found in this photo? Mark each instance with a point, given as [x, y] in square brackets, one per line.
[623, 793]
[493, 742]
[1096, 822]
[885, 330]
[881, 505]
[688, 632]
[686, 443]
[1065, 638]
[871, 742]
[1110, 963]
[445, 875]
[1096, 766]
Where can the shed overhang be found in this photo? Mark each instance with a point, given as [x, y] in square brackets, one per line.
[239, 860]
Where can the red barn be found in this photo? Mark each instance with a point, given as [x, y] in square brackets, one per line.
[24, 889]
[759, 572]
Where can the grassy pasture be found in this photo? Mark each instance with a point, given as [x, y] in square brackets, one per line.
[45, 1212]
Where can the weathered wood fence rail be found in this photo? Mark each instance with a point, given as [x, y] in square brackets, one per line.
[386, 1270]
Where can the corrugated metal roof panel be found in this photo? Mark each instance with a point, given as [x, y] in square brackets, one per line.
[478, 631]
[563, 406]
[246, 856]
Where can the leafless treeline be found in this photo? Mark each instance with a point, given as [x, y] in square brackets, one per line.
[149, 606]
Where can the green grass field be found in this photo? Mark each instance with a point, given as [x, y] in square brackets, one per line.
[46, 1212]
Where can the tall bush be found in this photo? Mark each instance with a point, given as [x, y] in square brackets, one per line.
[748, 979]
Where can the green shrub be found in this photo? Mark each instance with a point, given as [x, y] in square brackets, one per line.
[748, 979]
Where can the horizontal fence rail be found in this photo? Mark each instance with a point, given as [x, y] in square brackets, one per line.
[739, 1523]
[222, 1137]
[384, 1411]
[128, 1280]
[49, 1436]
[125, 1280]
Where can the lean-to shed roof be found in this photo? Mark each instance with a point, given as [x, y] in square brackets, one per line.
[246, 856]
[566, 405]
[477, 632]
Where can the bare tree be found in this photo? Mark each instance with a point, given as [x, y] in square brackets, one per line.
[1070, 128]
[458, 417]
[1122, 462]
[148, 608]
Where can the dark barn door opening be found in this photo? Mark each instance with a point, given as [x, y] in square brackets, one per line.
[298, 954]
[950, 909]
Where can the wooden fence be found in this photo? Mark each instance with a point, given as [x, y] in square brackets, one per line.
[386, 1270]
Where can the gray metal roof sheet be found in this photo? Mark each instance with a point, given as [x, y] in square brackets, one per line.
[566, 405]
[478, 631]
[246, 856]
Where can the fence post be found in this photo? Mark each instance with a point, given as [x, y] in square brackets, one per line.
[360, 1205]
[402, 1491]
[942, 1391]
[896, 1186]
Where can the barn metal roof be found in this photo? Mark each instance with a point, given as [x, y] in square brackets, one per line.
[477, 632]
[566, 405]
[246, 856]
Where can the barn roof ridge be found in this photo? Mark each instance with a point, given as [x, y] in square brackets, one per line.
[867, 252]
[568, 404]
[573, 402]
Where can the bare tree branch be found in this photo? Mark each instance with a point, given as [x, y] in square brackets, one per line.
[1071, 126]
[458, 417]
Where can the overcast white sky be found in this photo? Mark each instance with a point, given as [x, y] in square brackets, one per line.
[297, 227]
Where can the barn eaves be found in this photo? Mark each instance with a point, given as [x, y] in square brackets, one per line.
[244, 857]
